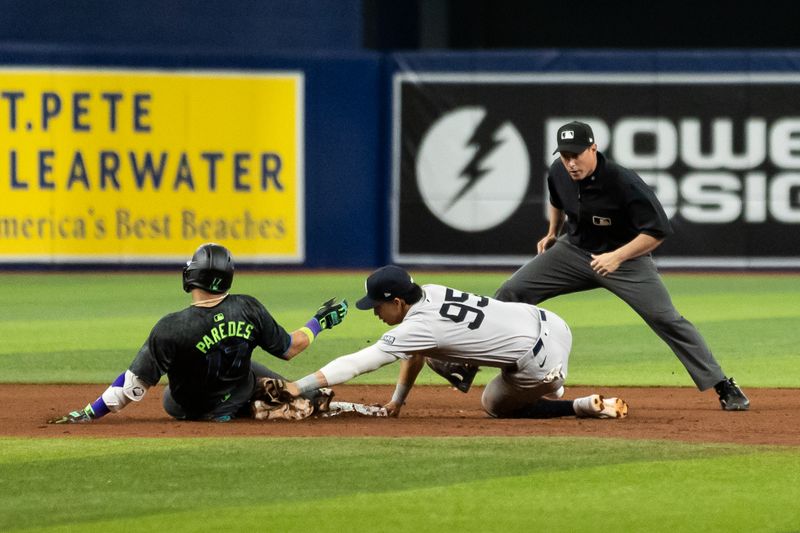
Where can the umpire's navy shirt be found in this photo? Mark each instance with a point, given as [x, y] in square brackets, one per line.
[606, 209]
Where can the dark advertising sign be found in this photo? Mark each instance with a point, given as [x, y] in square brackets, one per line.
[722, 152]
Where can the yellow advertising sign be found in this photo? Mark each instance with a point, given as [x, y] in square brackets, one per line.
[144, 166]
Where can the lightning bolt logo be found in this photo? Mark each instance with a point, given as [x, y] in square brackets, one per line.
[457, 181]
[485, 142]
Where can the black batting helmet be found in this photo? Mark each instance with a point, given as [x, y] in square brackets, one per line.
[210, 269]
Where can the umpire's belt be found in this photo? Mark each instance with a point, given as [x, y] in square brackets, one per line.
[530, 354]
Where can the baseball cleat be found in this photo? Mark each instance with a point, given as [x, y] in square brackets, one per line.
[731, 397]
[595, 406]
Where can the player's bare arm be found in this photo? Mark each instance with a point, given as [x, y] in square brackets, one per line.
[409, 370]
[605, 264]
[300, 341]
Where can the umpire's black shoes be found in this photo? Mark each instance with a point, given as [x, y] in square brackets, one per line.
[731, 396]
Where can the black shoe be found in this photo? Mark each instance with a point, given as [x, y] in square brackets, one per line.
[460, 375]
[731, 396]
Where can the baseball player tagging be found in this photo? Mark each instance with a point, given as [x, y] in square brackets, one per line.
[530, 345]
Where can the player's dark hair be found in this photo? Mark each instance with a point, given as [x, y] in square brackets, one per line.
[412, 296]
[210, 269]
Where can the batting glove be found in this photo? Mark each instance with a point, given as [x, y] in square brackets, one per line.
[75, 417]
[331, 313]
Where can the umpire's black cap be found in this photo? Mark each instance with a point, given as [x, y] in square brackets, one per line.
[384, 285]
[574, 137]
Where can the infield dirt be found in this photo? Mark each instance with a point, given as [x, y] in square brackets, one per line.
[655, 413]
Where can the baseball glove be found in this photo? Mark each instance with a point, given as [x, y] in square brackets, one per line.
[460, 375]
[271, 401]
[296, 409]
[271, 390]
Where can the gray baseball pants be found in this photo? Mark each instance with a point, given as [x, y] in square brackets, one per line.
[538, 373]
[565, 268]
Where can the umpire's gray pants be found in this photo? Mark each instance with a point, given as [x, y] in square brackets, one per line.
[565, 268]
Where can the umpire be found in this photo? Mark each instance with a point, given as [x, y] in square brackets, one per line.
[613, 222]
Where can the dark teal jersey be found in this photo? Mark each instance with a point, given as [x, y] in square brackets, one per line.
[205, 351]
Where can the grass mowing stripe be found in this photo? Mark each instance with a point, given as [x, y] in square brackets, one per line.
[130, 477]
[95, 324]
[628, 497]
[665, 494]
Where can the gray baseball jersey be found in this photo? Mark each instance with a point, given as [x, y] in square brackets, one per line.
[459, 326]
[530, 345]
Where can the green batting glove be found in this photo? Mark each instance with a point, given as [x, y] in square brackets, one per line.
[331, 313]
[75, 417]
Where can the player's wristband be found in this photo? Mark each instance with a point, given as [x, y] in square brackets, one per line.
[400, 393]
[311, 329]
[98, 408]
[308, 383]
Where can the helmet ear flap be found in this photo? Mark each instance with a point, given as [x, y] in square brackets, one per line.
[185, 278]
[210, 269]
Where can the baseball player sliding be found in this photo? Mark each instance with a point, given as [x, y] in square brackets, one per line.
[530, 345]
[206, 350]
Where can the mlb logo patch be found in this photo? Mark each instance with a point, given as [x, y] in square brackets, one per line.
[388, 339]
[567, 134]
[601, 221]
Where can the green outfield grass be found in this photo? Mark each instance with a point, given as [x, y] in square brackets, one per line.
[371, 484]
[86, 328]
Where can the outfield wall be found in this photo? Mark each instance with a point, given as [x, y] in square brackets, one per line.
[715, 134]
[116, 158]
[352, 159]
